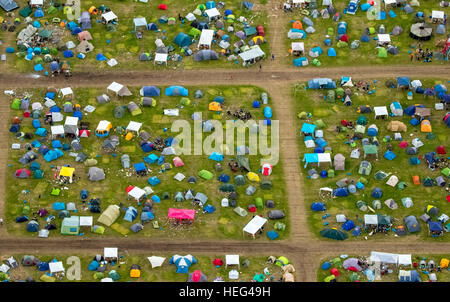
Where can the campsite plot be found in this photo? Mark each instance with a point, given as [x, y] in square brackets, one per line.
[318, 37]
[132, 180]
[384, 267]
[131, 35]
[160, 267]
[379, 178]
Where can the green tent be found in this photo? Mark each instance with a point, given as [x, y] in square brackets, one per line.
[446, 172]
[331, 96]
[98, 229]
[70, 225]
[25, 12]
[330, 173]
[259, 202]
[333, 234]
[239, 180]
[401, 185]
[3, 276]
[361, 205]
[227, 188]
[354, 277]
[99, 275]
[15, 104]
[194, 32]
[205, 174]
[114, 275]
[319, 124]
[382, 52]
[52, 10]
[281, 261]
[185, 101]
[279, 226]
[372, 30]
[340, 92]
[342, 44]
[316, 62]
[336, 262]
[370, 150]
[45, 33]
[329, 278]
[55, 192]
[26, 210]
[362, 120]
[201, 7]
[330, 31]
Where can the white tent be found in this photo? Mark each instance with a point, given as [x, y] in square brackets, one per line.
[206, 38]
[380, 111]
[115, 87]
[56, 267]
[134, 126]
[232, 260]
[161, 58]
[190, 17]
[36, 2]
[251, 54]
[156, 261]
[138, 22]
[254, 225]
[341, 218]
[57, 117]
[66, 92]
[390, 2]
[57, 130]
[392, 181]
[71, 124]
[103, 125]
[212, 13]
[109, 16]
[416, 83]
[327, 2]
[298, 46]
[86, 221]
[179, 176]
[171, 112]
[404, 259]
[324, 158]
[110, 253]
[437, 14]
[384, 257]
[370, 219]
[137, 193]
[384, 38]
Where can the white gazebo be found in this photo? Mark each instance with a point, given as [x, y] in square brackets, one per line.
[137, 193]
[86, 221]
[370, 219]
[437, 16]
[139, 22]
[212, 13]
[254, 225]
[109, 17]
[134, 126]
[57, 130]
[56, 267]
[110, 253]
[384, 39]
[232, 260]
[66, 92]
[298, 47]
[206, 39]
[160, 58]
[71, 124]
[252, 54]
[381, 112]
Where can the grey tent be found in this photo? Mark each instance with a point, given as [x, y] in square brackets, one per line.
[145, 57]
[421, 31]
[103, 98]
[276, 214]
[189, 195]
[148, 102]
[109, 145]
[239, 180]
[408, 9]
[411, 151]
[119, 112]
[125, 160]
[393, 50]
[196, 116]
[68, 107]
[144, 135]
[355, 44]
[397, 30]
[137, 227]
[28, 260]
[266, 185]
[270, 204]
[28, 157]
[192, 179]
[8, 5]
[440, 29]
[96, 174]
[200, 198]
[412, 224]
[85, 20]
[81, 157]
[307, 21]
[205, 55]
[339, 162]
[425, 218]
[391, 204]
[250, 190]
[179, 196]
[243, 162]
[76, 145]
[198, 94]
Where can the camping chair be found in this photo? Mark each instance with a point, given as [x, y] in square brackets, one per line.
[155, 224]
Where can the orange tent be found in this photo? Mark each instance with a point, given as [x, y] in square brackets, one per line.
[425, 126]
[93, 10]
[129, 136]
[416, 180]
[215, 106]
[135, 273]
[297, 25]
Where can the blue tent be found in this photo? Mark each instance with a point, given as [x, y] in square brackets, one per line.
[39, 13]
[340, 192]
[272, 235]
[317, 49]
[152, 26]
[35, 166]
[41, 132]
[71, 25]
[411, 110]
[326, 266]
[300, 62]
[53, 155]
[228, 12]
[320, 142]
[413, 276]
[147, 216]
[140, 167]
[356, 231]
[161, 160]
[247, 5]
[176, 91]
[33, 226]
[78, 114]
[100, 57]
[93, 266]
[76, 30]
[223, 178]
[321, 83]
[377, 193]
[146, 147]
[372, 131]
[267, 112]
[216, 156]
[151, 159]
[318, 206]
[56, 144]
[182, 40]
[68, 54]
[209, 209]
[43, 149]
[414, 160]
[130, 214]
[414, 122]
[331, 52]
[435, 226]
[440, 88]
[348, 225]
[43, 266]
[150, 91]
[256, 104]
[15, 128]
[154, 181]
[156, 198]
[342, 28]
[210, 4]
[182, 263]
[54, 66]
[38, 67]
[430, 157]
[10, 50]
[327, 42]
[365, 38]
[389, 155]
[403, 81]
[55, 109]
[59, 206]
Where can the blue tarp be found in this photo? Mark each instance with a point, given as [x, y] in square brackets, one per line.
[272, 235]
[403, 81]
[308, 128]
[389, 155]
[41, 132]
[154, 181]
[139, 167]
[209, 209]
[59, 206]
[216, 156]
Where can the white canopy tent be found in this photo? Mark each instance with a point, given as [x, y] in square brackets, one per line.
[161, 58]
[380, 111]
[134, 126]
[110, 252]
[137, 193]
[109, 16]
[103, 125]
[71, 124]
[86, 221]
[57, 130]
[206, 38]
[370, 219]
[437, 14]
[298, 46]
[390, 2]
[66, 92]
[115, 87]
[212, 13]
[138, 22]
[384, 38]
[398, 259]
[254, 225]
[56, 267]
[251, 54]
[232, 260]
[156, 261]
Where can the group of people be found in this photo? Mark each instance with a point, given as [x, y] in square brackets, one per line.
[420, 54]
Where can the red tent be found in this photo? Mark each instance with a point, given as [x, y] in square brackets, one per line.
[403, 144]
[448, 198]
[26, 114]
[162, 6]
[196, 276]
[334, 272]
[344, 38]
[441, 150]
[218, 262]
[181, 214]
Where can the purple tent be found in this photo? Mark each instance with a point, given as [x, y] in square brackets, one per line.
[241, 35]
[352, 262]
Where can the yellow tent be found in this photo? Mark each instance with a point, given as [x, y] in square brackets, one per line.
[444, 263]
[135, 273]
[258, 40]
[129, 136]
[253, 176]
[66, 171]
[215, 106]
[425, 126]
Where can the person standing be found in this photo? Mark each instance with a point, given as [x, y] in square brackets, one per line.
[260, 67]
[273, 57]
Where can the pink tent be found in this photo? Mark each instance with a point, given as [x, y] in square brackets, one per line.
[177, 162]
[84, 35]
[181, 214]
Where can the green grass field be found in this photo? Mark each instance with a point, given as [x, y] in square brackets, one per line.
[366, 54]
[332, 113]
[123, 45]
[165, 273]
[223, 223]
[344, 275]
